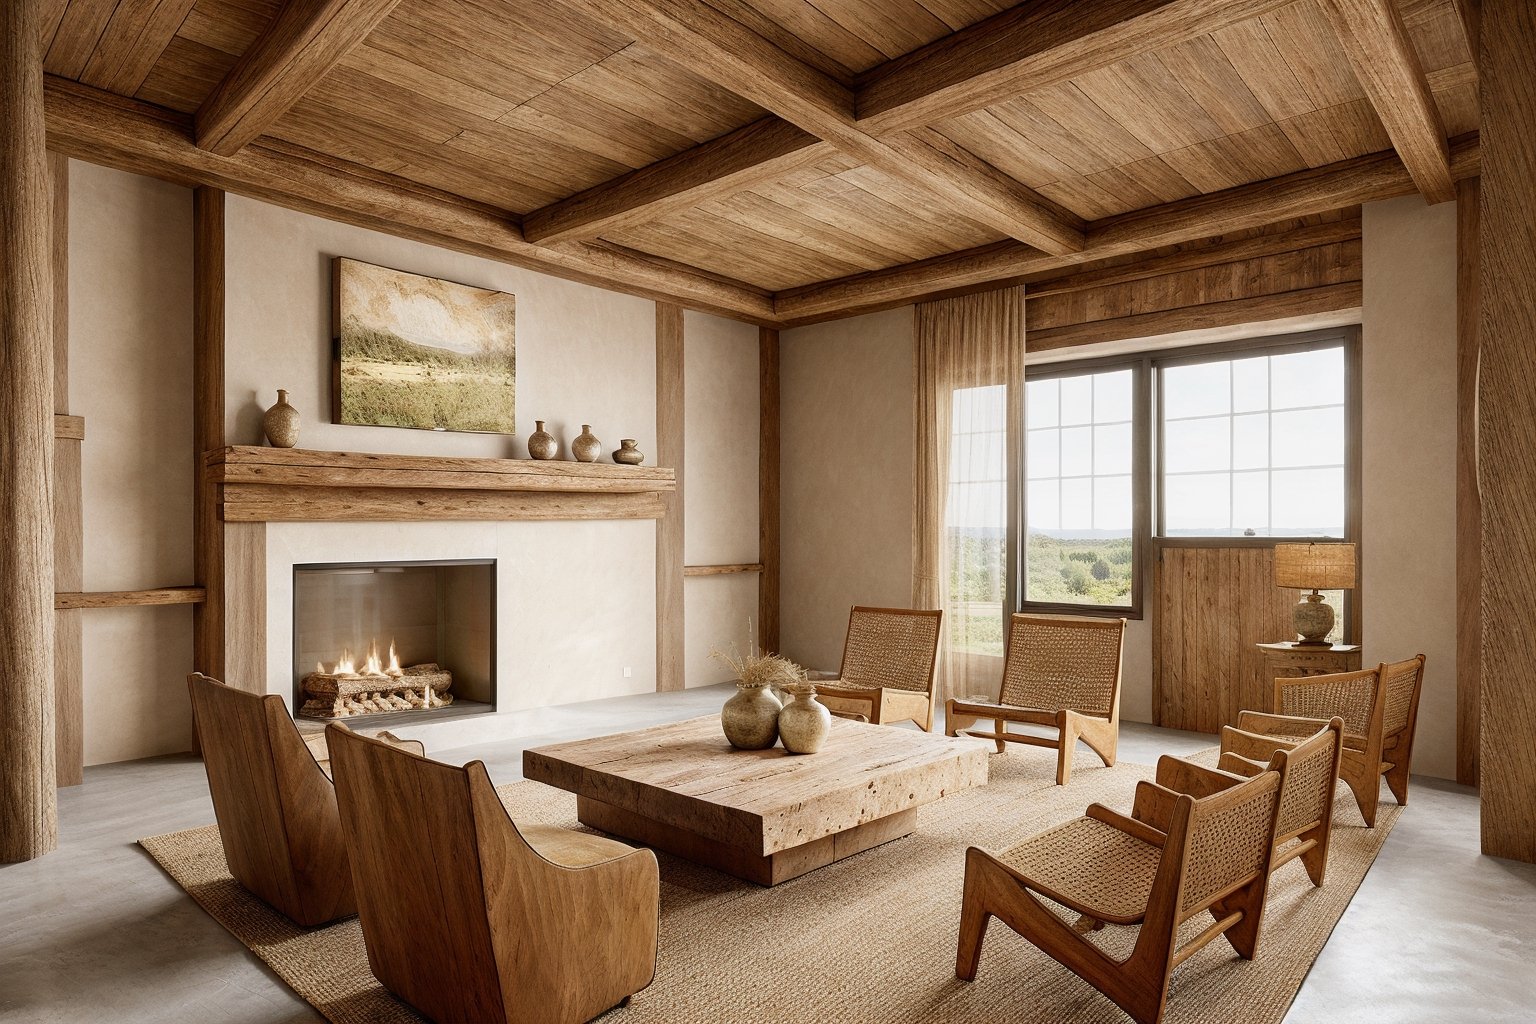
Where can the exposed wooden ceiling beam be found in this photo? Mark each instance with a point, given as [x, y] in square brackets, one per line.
[714, 46]
[1319, 190]
[98, 127]
[1388, 68]
[1029, 47]
[305, 40]
[757, 152]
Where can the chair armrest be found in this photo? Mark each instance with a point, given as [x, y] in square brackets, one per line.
[1144, 831]
[1278, 725]
[820, 676]
[852, 716]
[414, 746]
[1154, 805]
[1239, 765]
[1183, 776]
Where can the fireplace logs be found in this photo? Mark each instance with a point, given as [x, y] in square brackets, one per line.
[343, 695]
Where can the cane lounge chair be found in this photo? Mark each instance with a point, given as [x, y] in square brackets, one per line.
[887, 672]
[1212, 857]
[468, 916]
[1057, 672]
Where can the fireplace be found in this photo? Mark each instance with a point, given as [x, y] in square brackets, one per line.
[380, 638]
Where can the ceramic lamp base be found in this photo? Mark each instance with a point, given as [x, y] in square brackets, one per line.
[1313, 620]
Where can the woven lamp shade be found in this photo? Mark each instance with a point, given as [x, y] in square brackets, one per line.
[1315, 566]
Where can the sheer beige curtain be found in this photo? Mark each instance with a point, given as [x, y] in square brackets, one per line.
[970, 388]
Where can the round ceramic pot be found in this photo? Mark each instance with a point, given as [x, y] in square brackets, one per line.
[628, 454]
[586, 447]
[541, 443]
[281, 423]
[804, 723]
[751, 718]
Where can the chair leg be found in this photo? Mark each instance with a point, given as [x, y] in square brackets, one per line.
[1068, 745]
[953, 723]
[1103, 737]
[1397, 782]
[1248, 901]
[973, 923]
[1000, 726]
[1315, 860]
[1366, 786]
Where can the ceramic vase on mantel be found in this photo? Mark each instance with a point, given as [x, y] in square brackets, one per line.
[281, 423]
[586, 447]
[805, 722]
[628, 454]
[541, 443]
[751, 718]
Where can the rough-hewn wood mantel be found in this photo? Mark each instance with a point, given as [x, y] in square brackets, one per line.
[258, 484]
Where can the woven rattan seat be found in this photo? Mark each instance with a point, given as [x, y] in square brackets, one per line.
[1207, 854]
[1057, 671]
[1379, 708]
[1092, 867]
[887, 670]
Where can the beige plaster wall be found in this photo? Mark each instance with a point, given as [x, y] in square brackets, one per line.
[130, 311]
[1408, 473]
[721, 434]
[847, 477]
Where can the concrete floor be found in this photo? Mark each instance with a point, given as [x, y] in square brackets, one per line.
[96, 932]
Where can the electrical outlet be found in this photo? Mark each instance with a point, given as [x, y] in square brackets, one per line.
[628, 672]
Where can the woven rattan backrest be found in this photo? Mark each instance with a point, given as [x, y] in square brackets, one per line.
[1056, 664]
[1402, 692]
[892, 647]
[1306, 790]
[1350, 695]
[1229, 841]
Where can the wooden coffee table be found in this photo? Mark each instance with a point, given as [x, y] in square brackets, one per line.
[763, 815]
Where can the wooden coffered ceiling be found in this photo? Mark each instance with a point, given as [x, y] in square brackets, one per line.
[781, 161]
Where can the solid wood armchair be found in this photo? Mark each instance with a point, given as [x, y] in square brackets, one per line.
[1380, 709]
[274, 803]
[1308, 775]
[468, 916]
[1058, 672]
[887, 672]
[1212, 857]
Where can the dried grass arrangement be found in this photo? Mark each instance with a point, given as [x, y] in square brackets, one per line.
[759, 668]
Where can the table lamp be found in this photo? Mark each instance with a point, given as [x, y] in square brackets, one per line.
[1314, 567]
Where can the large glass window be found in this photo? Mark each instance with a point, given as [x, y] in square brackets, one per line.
[1254, 445]
[977, 517]
[1079, 489]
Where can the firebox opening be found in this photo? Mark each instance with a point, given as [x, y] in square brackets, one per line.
[385, 638]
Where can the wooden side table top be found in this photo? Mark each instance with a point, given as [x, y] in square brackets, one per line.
[1293, 647]
[681, 786]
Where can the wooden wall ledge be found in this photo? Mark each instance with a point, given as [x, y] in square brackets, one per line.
[63, 601]
[258, 484]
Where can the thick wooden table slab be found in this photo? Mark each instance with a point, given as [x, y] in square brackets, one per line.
[763, 815]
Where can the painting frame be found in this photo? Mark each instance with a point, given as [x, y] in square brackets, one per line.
[413, 351]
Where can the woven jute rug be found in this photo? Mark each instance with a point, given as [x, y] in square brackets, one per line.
[870, 938]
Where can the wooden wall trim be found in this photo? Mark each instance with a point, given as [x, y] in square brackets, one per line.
[29, 824]
[768, 517]
[722, 570]
[1506, 427]
[128, 598]
[68, 507]
[208, 398]
[670, 661]
[1469, 621]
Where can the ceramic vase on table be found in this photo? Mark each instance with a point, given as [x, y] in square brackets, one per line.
[751, 718]
[586, 447]
[541, 443]
[281, 423]
[804, 722]
[628, 454]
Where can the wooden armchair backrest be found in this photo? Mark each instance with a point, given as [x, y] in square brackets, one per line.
[1308, 769]
[1356, 697]
[1053, 664]
[275, 808]
[1227, 841]
[1402, 681]
[416, 864]
[891, 647]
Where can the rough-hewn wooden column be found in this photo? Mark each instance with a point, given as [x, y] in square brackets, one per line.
[669, 528]
[28, 812]
[768, 489]
[1507, 426]
[207, 426]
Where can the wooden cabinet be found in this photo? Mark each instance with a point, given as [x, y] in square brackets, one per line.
[1291, 659]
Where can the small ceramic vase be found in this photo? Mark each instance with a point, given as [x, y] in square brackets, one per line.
[541, 443]
[804, 723]
[751, 718]
[586, 448]
[628, 454]
[281, 423]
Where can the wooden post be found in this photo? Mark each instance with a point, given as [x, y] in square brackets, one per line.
[669, 528]
[207, 427]
[1507, 425]
[768, 488]
[1469, 576]
[68, 510]
[28, 809]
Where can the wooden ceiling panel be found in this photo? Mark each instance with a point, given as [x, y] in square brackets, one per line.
[1150, 104]
[1232, 160]
[1330, 134]
[712, 243]
[1310, 48]
[1436, 31]
[184, 74]
[1248, 47]
[1205, 72]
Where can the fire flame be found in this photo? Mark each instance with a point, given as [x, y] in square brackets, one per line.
[373, 665]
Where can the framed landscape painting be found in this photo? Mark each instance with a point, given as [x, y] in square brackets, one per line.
[414, 351]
